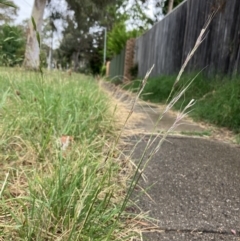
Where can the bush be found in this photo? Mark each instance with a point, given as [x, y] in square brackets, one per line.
[103, 70]
[12, 45]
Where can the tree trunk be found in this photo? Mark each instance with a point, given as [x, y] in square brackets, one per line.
[49, 59]
[76, 61]
[50, 53]
[170, 6]
[32, 51]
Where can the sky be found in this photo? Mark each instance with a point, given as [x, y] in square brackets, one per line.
[25, 9]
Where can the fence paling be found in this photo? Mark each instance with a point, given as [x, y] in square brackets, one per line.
[117, 65]
[168, 43]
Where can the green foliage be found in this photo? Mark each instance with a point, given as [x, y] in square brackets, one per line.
[92, 10]
[118, 37]
[96, 61]
[103, 70]
[175, 3]
[217, 101]
[8, 10]
[44, 55]
[237, 139]
[134, 18]
[12, 45]
[78, 41]
[221, 106]
[156, 89]
[76, 45]
[8, 3]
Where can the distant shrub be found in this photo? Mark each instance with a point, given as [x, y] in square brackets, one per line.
[103, 70]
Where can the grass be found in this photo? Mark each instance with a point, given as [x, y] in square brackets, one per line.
[196, 133]
[238, 139]
[47, 193]
[217, 99]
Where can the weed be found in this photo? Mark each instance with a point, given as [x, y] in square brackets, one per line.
[238, 139]
[196, 133]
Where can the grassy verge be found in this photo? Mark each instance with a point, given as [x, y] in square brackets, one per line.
[217, 100]
[51, 193]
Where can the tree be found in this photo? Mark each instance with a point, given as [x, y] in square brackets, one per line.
[12, 43]
[80, 43]
[169, 5]
[118, 37]
[132, 15]
[90, 10]
[32, 51]
[7, 11]
[77, 43]
[84, 10]
[48, 30]
[117, 15]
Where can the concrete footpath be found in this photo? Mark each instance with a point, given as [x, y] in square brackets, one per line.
[196, 189]
[195, 182]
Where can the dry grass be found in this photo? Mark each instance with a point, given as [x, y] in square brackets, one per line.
[121, 109]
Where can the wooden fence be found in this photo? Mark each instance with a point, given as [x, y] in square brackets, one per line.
[121, 65]
[168, 43]
[116, 69]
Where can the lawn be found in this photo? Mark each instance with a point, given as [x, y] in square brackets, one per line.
[59, 177]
